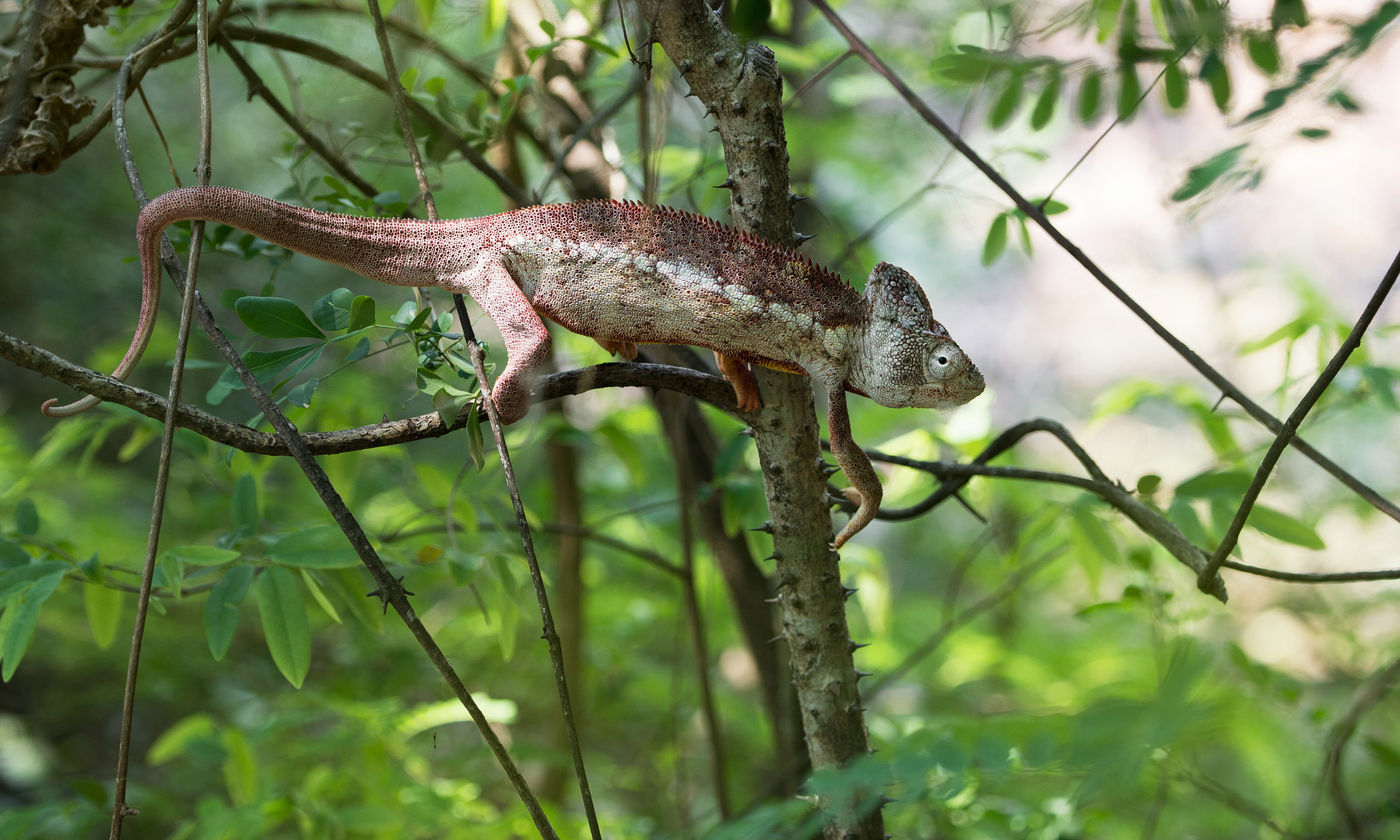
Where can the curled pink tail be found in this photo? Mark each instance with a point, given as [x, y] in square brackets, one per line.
[402, 251]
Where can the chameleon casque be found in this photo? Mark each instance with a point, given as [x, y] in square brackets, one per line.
[623, 274]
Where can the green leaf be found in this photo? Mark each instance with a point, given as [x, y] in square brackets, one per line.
[1217, 75]
[240, 768]
[1129, 91]
[1230, 485]
[1291, 331]
[448, 405]
[317, 547]
[14, 582]
[11, 556]
[1007, 102]
[309, 578]
[996, 240]
[332, 312]
[284, 623]
[1090, 97]
[1093, 532]
[243, 511]
[475, 445]
[1314, 133]
[301, 394]
[267, 365]
[1263, 51]
[26, 518]
[1281, 526]
[181, 738]
[1106, 17]
[21, 616]
[1288, 12]
[275, 317]
[1201, 176]
[104, 611]
[1174, 86]
[1045, 104]
[202, 555]
[361, 313]
[408, 78]
[1148, 484]
[1341, 99]
[221, 610]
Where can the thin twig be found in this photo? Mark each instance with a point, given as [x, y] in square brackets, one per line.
[390, 589]
[1034, 213]
[1330, 776]
[694, 383]
[120, 810]
[551, 635]
[256, 87]
[1290, 428]
[1001, 593]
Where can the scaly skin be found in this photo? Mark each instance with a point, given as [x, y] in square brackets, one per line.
[624, 274]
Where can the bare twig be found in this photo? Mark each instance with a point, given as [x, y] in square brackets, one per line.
[167, 444]
[551, 635]
[1330, 776]
[1035, 214]
[702, 386]
[256, 87]
[556, 652]
[1290, 428]
[939, 636]
[1147, 518]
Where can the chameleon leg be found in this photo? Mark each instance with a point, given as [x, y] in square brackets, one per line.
[865, 489]
[625, 350]
[739, 376]
[525, 336]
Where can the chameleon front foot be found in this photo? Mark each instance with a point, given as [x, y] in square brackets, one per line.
[864, 515]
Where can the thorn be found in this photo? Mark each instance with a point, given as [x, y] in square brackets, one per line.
[774, 600]
[727, 185]
[860, 675]
[793, 198]
[803, 237]
[684, 67]
[720, 57]
[383, 596]
[776, 555]
[692, 92]
[747, 431]
[714, 128]
[766, 528]
[710, 108]
[770, 145]
[777, 638]
[855, 646]
[847, 592]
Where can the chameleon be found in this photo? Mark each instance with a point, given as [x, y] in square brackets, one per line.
[622, 273]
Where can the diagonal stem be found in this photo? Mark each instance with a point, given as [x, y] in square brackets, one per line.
[1290, 428]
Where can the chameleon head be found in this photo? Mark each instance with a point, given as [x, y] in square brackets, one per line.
[900, 356]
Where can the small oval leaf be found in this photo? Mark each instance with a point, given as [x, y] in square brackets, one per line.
[284, 623]
[275, 317]
[1090, 97]
[996, 240]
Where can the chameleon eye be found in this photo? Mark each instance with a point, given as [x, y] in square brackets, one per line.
[943, 360]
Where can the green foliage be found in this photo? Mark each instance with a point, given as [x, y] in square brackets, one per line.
[1090, 693]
